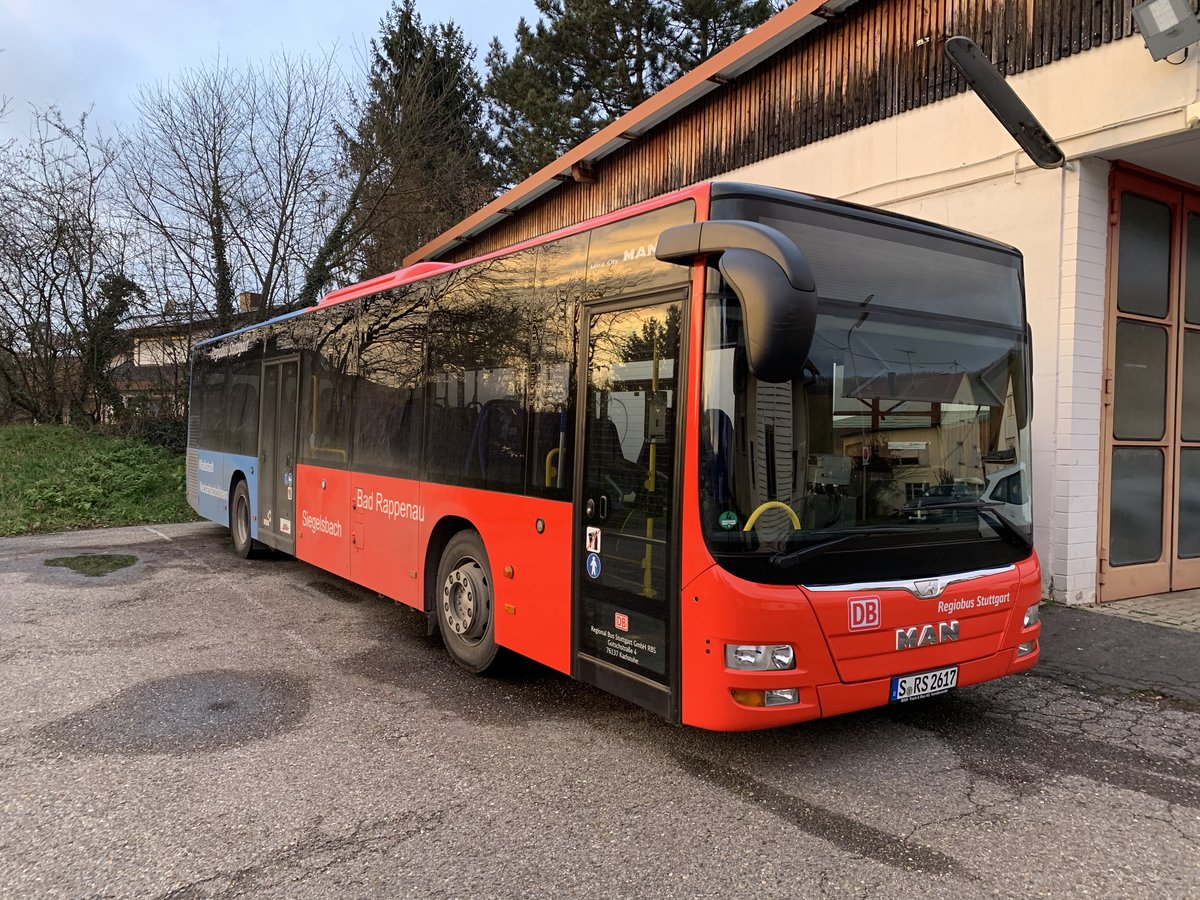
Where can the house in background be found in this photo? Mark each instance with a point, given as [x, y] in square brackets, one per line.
[856, 101]
[152, 377]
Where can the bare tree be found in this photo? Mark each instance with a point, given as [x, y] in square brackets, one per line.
[63, 288]
[181, 170]
[231, 173]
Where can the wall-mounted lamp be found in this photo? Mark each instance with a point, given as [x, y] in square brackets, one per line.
[998, 96]
[1167, 26]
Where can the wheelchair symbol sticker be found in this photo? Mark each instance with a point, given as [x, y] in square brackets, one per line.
[593, 565]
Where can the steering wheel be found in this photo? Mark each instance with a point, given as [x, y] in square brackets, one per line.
[772, 504]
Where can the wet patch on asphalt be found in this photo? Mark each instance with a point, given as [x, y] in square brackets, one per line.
[93, 565]
[81, 566]
[192, 713]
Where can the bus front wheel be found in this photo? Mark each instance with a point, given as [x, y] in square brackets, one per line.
[239, 521]
[464, 603]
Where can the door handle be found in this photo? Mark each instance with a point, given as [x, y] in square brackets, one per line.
[603, 506]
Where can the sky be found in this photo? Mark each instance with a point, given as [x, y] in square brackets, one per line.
[78, 54]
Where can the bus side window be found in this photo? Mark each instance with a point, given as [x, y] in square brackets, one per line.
[478, 377]
[552, 324]
[388, 411]
[213, 435]
[326, 341]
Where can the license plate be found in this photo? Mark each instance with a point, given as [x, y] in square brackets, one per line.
[923, 684]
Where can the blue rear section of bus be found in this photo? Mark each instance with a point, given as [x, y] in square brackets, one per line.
[213, 476]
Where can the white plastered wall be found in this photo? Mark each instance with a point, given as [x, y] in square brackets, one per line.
[952, 163]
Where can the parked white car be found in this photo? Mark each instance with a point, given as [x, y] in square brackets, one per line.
[1008, 490]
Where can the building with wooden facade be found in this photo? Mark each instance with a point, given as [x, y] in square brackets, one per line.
[855, 100]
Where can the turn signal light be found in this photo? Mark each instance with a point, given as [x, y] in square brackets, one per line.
[748, 698]
[1026, 648]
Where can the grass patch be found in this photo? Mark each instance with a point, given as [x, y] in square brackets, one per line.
[93, 564]
[56, 478]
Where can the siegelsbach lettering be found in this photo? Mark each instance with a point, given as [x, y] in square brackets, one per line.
[319, 524]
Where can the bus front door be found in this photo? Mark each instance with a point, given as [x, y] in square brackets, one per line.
[625, 617]
[277, 454]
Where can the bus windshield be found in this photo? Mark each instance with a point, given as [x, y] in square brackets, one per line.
[903, 449]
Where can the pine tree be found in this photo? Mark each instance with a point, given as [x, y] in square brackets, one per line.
[698, 29]
[420, 150]
[587, 62]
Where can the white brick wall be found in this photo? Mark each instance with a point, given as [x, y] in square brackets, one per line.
[1080, 353]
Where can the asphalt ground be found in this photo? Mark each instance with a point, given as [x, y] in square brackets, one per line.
[196, 725]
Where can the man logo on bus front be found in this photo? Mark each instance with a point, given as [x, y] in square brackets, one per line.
[925, 590]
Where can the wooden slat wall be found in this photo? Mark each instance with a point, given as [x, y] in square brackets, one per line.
[880, 58]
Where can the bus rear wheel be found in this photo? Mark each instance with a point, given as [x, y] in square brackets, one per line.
[239, 521]
[464, 603]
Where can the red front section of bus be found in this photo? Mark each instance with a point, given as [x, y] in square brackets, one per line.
[845, 657]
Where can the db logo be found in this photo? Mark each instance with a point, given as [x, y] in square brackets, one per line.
[864, 613]
[621, 621]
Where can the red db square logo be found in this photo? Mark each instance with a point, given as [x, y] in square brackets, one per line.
[864, 613]
[621, 621]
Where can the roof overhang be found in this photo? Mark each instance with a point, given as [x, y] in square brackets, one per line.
[742, 55]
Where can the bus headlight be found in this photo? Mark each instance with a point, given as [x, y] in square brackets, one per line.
[760, 657]
[1032, 615]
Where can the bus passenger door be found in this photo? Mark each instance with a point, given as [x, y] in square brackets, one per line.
[625, 611]
[277, 454]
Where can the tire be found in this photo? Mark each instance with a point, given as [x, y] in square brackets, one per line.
[239, 521]
[464, 603]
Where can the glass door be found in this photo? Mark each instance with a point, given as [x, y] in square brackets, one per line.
[626, 545]
[277, 454]
[1150, 513]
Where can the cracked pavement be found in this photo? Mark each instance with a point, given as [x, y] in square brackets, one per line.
[201, 726]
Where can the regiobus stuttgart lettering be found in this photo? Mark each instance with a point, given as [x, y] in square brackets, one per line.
[387, 506]
[983, 601]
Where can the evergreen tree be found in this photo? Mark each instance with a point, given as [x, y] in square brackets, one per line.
[587, 62]
[698, 29]
[419, 155]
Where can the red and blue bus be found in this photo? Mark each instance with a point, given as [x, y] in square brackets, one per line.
[743, 456]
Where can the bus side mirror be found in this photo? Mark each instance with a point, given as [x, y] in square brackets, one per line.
[771, 278]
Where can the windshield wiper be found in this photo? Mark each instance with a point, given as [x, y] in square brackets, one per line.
[789, 559]
[1006, 523]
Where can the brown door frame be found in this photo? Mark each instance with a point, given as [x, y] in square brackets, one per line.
[1167, 572]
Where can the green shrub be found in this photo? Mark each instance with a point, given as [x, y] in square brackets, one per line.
[55, 478]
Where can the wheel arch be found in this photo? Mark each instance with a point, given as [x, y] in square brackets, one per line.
[239, 475]
[439, 537]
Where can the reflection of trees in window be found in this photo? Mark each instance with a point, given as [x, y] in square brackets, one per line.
[325, 339]
[479, 374]
[388, 408]
[621, 257]
[553, 328]
[225, 379]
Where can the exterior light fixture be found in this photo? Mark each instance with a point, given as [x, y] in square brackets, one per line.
[998, 96]
[1167, 26]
